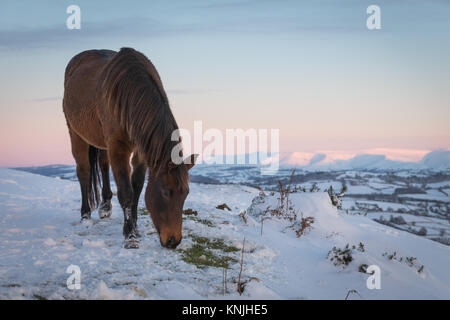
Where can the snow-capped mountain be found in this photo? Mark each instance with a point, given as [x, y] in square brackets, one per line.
[436, 161]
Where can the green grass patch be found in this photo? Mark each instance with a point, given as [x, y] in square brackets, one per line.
[142, 212]
[209, 253]
[215, 244]
[206, 222]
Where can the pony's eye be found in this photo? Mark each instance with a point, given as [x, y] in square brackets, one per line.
[165, 194]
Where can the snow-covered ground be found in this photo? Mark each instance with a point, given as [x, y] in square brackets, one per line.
[41, 236]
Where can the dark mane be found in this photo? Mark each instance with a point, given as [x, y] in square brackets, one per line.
[134, 93]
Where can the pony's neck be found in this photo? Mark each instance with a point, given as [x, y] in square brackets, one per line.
[135, 93]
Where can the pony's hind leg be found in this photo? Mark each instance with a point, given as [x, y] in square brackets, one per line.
[104, 211]
[119, 157]
[80, 151]
[137, 182]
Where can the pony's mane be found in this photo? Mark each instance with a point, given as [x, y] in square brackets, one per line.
[134, 93]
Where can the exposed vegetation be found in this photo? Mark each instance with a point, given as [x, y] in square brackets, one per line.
[340, 257]
[343, 257]
[207, 252]
[285, 210]
[190, 212]
[336, 199]
[363, 268]
[352, 291]
[409, 261]
[240, 286]
[223, 206]
[305, 225]
[204, 221]
[142, 211]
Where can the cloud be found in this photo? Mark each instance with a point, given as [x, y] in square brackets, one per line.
[59, 35]
[252, 16]
[210, 20]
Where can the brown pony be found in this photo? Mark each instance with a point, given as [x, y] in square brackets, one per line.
[115, 106]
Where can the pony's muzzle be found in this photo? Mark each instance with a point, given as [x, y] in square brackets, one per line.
[171, 243]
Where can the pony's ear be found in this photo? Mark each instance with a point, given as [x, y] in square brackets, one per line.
[190, 161]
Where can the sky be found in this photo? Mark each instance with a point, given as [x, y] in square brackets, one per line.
[311, 69]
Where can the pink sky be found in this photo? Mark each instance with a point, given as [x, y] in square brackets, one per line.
[41, 138]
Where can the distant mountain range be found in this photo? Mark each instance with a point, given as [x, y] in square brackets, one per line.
[436, 160]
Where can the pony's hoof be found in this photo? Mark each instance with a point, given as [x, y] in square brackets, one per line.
[86, 221]
[105, 210]
[131, 243]
[102, 214]
[137, 233]
[85, 217]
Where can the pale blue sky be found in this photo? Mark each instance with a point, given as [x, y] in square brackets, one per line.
[310, 68]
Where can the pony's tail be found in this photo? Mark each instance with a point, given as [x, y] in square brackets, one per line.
[94, 178]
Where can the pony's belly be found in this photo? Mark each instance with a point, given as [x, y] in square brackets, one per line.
[89, 129]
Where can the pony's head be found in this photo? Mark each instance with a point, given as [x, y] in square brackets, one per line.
[164, 199]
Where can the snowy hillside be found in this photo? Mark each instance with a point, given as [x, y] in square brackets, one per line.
[41, 236]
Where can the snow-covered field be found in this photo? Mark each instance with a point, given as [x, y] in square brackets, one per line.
[41, 236]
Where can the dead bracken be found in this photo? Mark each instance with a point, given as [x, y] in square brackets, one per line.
[190, 212]
[223, 206]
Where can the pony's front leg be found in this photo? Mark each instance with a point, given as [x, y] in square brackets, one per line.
[137, 182]
[104, 211]
[119, 158]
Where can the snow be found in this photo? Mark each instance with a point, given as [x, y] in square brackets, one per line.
[439, 159]
[40, 236]
[434, 160]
